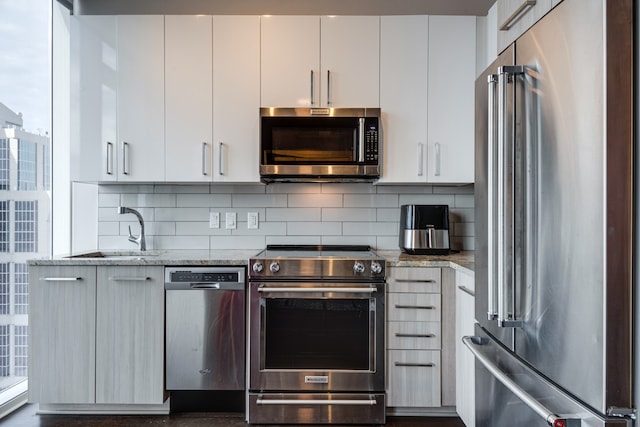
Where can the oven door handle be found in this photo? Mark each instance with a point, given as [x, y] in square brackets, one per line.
[359, 402]
[318, 289]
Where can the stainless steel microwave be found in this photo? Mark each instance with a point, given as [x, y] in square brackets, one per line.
[319, 144]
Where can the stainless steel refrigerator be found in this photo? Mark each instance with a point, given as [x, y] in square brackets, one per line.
[554, 223]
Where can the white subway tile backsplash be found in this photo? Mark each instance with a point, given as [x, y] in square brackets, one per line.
[348, 214]
[203, 200]
[293, 214]
[314, 228]
[177, 216]
[315, 200]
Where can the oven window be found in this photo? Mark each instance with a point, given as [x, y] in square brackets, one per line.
[317, 334]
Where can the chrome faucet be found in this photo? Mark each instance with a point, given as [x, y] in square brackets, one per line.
[139, 240]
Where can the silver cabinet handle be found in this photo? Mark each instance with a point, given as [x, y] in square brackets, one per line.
[125, 158]
[221, 162]
[312, 89]
[437, 168]
[420, 156]
[129, 279]
[415, 365]
[417, 307]
[328, 87]
[204, 159]
[545, 413]
[492, 210]
[467, 291]
[517, 14]
[358, 402]
[61, 279]
[400, 335]
[109, 158]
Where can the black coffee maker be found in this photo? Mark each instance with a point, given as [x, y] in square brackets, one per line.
[424, 229]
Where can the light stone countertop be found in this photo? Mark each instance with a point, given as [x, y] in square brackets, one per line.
[463, 261]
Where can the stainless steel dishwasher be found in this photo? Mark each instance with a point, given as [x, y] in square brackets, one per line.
[205, 328]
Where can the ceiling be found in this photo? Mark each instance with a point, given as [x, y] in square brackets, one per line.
[284, 7]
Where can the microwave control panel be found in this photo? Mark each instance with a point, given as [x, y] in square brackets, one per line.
[371, 141]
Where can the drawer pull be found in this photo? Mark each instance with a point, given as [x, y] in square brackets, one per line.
[517, 14]
[61, 279]
[419, 307]
[128, 279]
[399, 335]
[413, 281]
[415, 365]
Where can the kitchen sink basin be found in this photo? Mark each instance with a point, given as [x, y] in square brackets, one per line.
[115, 255]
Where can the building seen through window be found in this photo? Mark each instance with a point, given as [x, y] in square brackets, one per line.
[24, 223]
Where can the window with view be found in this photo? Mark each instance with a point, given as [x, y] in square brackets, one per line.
[25, 181]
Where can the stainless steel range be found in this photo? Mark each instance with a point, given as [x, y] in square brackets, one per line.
[316, 335]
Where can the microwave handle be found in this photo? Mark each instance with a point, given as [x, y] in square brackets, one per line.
[361, 140]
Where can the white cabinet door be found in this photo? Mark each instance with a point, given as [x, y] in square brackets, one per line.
[236, 98]
[130, 331]
[62, 340]
[515, 17]
[93, 79]
[140, 100]
[451, 76]
[465, 363]
[188, 92]
[290, 61]
[403, 97]
[349, 58]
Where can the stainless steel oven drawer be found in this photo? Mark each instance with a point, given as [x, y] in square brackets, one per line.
[316, 408]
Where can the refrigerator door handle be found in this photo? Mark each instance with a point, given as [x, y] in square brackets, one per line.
[492, 314]
[551, 419]
[505, 177]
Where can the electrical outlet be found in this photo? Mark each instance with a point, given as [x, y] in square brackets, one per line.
[214, 219]
[230, 220]
[252, 220]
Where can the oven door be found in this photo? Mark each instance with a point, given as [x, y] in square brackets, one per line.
[316, 336]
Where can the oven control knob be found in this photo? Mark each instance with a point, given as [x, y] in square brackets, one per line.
[358, 267]
[274, 267]
[376, 267]
[258, 267]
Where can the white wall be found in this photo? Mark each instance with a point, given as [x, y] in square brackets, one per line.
[177, 216]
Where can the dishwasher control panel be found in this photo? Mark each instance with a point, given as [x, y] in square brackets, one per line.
[222, 277]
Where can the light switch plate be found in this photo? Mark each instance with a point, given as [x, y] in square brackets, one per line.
[252, 219]
[214, 219]
[230, 220]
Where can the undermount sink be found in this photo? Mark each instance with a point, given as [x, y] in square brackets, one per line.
[116, 254]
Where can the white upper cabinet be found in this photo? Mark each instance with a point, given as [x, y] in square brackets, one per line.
[290, 61]
[517, 16]
[349, 61]
[403, 97]
[451, 91]
[311, 61]
[189, 98]
[236, 98]
[94, 82]
[427, 75]
[140, 97]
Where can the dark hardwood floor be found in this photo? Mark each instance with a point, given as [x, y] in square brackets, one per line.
[27, 417]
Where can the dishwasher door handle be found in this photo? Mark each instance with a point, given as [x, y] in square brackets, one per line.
[205, 286]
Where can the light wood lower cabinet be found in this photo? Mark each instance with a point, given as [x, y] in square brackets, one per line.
[419, 362]
[96, 335]
[130, 335]
[62, 340]
[465, 362]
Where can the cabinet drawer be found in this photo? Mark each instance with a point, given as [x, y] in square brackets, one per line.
[414, 307]
[414, 279]
[414, 335]
[413, 378]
